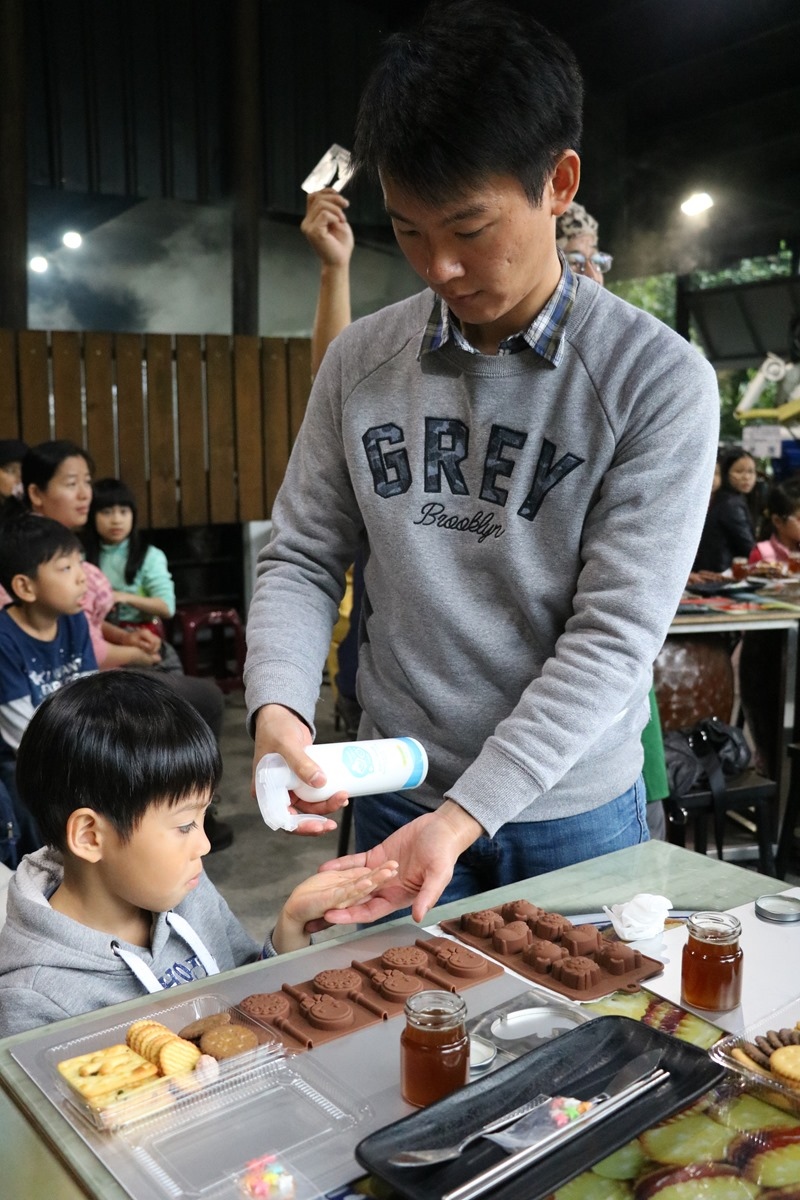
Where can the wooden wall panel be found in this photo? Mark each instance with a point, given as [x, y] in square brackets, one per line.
[299, 382]
[275, 402]
[34, 386]
[234, 404]
[249, 428]
[9, 407]
[66, 353]
[98, 370]
[161, 431]
[130, 420]
[221, 464]
[191, 430]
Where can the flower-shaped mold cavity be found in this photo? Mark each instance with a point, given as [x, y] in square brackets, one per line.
[264, 1005]
[581, 939]
[520, 910]
[551, 926]
[617, 959]
[542, 954]
[396, 985]
[466, 964]
[512, 939]
[338, 983]
[482, 923]
[326, 1012]
[579, 973]
[404, 957]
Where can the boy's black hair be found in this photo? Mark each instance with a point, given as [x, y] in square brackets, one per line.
[116, 742]
[110, 493]
[41, 462]
[27, 541]
[479, 88]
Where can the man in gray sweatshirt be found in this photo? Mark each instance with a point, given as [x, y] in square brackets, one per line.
[524, 461]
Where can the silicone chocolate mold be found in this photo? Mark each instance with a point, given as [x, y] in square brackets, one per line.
[545, 947]
[336, 1002]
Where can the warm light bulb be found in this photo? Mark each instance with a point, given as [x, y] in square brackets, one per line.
[698, 202]
[38, 264]
[72, 239]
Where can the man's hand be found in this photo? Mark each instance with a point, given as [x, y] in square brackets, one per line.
[327, 229]
[426, 850]
[304, 911]
[280, 731]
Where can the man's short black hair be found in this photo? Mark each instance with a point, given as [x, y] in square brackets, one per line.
[478, 89]
[116, 742]
[27, 541]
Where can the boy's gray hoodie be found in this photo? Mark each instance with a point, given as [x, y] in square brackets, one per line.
[52, 967]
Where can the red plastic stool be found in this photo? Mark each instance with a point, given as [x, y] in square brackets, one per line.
[190, 619]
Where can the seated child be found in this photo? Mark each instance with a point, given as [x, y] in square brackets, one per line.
[44, 635]
[138, 572]
[118, 770]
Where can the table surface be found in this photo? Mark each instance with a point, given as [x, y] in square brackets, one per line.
[43, 1156]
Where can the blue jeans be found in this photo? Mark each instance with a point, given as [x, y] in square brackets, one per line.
[519, 849]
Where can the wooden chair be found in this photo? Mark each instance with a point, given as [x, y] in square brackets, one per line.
[693, 679]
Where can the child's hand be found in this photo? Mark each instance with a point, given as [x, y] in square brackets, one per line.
[304, 911]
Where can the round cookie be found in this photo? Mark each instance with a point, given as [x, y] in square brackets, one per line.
[195, 1029]
[225, 1041]
[785, 1063]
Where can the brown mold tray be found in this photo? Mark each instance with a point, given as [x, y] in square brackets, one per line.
[342, 1000]
[573, 960]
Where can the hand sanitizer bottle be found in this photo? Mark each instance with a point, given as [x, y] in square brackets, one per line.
[358, 768]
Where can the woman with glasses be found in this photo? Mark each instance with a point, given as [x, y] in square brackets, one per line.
[576, 237]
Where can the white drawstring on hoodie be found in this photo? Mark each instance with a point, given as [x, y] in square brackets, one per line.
[184, 930]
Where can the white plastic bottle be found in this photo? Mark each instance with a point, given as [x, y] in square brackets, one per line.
[358, 768]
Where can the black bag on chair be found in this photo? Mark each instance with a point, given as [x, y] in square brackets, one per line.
[702, 756]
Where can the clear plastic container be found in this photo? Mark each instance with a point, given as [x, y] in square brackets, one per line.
[761, 1083]
[163, 1094]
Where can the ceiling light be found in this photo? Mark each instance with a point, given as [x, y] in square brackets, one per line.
[72, 239]
[38, 264]
[698, 202]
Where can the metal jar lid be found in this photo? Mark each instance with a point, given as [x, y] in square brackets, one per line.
[778, 907]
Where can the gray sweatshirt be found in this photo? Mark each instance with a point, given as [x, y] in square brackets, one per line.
[52, 967]
[528, 530]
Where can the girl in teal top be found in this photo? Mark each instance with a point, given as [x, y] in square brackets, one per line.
[138, 572]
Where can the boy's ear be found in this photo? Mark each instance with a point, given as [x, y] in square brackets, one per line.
[24, 588]
[85, 833]
[564, 182]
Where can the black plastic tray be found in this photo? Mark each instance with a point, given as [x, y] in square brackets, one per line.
[578, 1063]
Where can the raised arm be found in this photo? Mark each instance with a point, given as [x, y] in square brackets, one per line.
[327, 230]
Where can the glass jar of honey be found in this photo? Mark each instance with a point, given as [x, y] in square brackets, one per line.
[711, 973]
[434, 1047]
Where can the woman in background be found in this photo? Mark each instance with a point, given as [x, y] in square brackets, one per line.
[729, 531]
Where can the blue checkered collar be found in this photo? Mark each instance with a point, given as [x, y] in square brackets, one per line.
[544, 336]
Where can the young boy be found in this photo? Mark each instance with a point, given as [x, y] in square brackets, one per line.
[44, 635]
[118, 771]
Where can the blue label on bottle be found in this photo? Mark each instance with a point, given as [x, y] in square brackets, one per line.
[418, 765]
[358, 761]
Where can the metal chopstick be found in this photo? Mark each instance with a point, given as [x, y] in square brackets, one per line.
[510, 1166]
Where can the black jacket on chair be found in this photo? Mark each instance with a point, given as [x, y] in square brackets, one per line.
[728, 532]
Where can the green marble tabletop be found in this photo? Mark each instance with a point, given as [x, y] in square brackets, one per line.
[43, 1156]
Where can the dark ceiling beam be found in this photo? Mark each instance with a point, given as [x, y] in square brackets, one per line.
[246, 142]
[13, 156]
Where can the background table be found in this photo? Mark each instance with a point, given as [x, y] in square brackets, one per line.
[43, 1156]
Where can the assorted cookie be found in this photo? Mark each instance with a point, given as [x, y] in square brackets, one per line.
[775, 1054]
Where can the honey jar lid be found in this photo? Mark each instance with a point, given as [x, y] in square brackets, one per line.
[778, 907]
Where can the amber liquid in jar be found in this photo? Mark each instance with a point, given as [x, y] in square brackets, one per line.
[711, 974]
[434, 1047]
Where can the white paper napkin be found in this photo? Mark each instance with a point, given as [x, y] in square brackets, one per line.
[641, 917]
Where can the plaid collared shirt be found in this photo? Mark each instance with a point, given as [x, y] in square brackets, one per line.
[544, 335]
